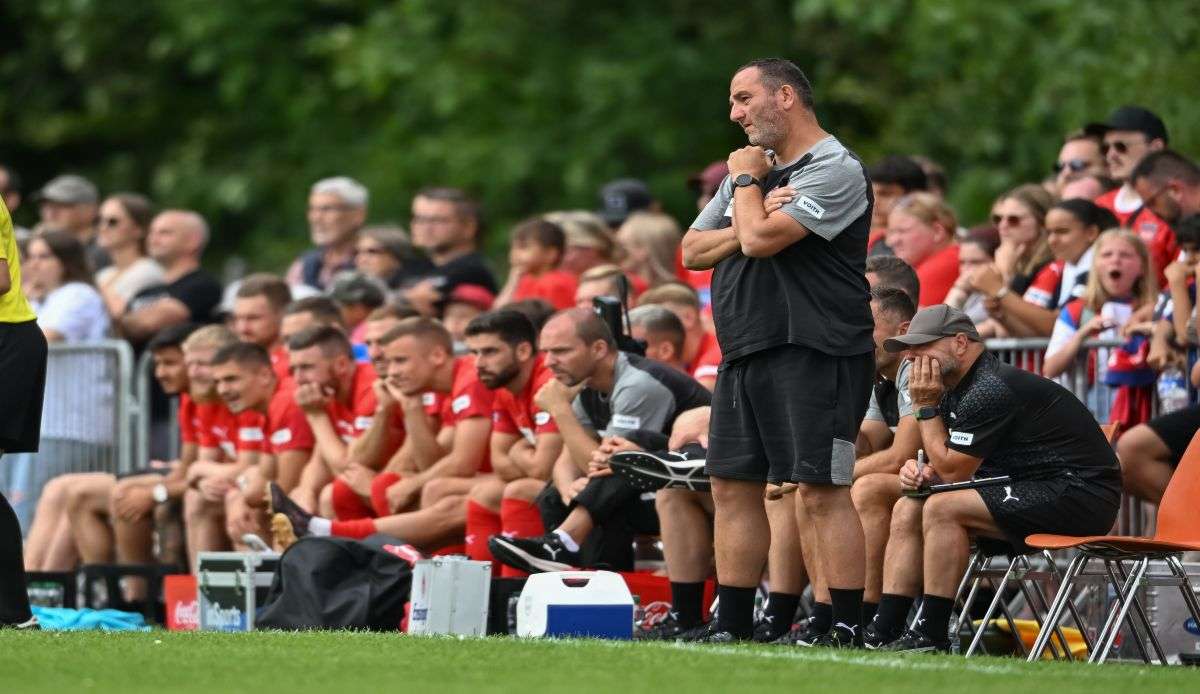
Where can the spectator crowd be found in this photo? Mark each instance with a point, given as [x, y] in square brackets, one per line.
[388, 380]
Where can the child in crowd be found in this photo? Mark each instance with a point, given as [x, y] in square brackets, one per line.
[1120, 282]
[534, 258]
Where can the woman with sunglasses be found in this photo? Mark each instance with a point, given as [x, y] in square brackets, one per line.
[124, 222]
[1024, 252]
[385, 254]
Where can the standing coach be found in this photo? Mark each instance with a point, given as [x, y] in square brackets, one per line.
[22, 382]
[793, 318]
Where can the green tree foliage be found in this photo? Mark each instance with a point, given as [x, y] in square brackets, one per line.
[235, 108]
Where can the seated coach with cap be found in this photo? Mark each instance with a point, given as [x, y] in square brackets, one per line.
[978, 415]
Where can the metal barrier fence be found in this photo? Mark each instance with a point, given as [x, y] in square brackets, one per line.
[88, 416]
[1090, 388]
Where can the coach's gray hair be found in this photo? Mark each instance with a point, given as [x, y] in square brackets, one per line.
[349, 190]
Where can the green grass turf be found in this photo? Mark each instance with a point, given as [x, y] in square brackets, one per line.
[357, 663]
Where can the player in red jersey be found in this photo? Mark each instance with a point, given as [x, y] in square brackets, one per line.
[272, 426]
[524, 442]
[330, 387]
[378, 426]
[446, 452]
[258, 317]
[204, 511]
[701, 352]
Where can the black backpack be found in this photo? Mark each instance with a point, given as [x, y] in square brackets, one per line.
[339, 583]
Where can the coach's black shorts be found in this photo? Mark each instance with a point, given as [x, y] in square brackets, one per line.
[22, 385]
[788, 413]
[1177, 429]
[1069, 504]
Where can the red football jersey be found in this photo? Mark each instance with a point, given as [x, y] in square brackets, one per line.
[240, 432]
[517, 414]
[708, 358]
[280, 364]
[206, 413]
[1150, 228]
[362, 399]
[287, 428]
[188, 421]
[1047, 283]
[556, 287]
[468, 396]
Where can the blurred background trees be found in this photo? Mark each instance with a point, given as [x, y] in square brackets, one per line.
[236, 108]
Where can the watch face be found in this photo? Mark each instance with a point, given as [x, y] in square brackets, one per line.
[744, 180]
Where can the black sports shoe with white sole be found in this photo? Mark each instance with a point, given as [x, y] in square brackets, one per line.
[653, 470]
[803, 635]
[669, 629]
[766, 630]
[533, 554]
[916, 642]
[875, 638]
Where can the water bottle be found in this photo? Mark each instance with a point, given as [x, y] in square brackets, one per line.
[1172, 390]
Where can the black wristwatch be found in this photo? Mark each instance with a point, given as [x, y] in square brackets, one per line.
[743, 180]
[926, 412]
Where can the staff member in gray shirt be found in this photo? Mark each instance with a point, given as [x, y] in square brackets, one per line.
[793, 320]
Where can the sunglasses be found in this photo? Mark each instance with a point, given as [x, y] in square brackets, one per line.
[1012, 219]
[1075, 165]
[1119, 145]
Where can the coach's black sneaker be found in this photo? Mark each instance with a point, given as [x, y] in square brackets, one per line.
[289, 522]
[769, 630]
[670, 629]
[838, 637]
[874, 637]
[533, 554]
[653, 470]
[802, 635]
[916, 642]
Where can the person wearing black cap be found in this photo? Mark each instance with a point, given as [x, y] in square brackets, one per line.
[1129, 134]
[793, 319]
[623, 197]
[977, 414]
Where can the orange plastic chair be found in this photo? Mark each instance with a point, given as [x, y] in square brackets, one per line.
[1178, 531]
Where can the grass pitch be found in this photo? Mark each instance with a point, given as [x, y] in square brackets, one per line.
[358, 663]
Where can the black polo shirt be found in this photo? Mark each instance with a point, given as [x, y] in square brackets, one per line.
[1024, 425]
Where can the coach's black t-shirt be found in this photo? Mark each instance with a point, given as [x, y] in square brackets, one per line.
[197, 290]
[1024, 425]
[646, 396]
[812, 293]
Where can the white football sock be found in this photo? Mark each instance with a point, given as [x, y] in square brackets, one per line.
[568, 541]
[321, 527]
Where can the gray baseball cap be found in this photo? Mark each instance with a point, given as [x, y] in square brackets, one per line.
[69, 189]
[930, 324]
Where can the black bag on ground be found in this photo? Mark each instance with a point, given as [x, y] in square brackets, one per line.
[339, 583]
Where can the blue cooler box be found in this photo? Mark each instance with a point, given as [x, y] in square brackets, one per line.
[593, 604]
